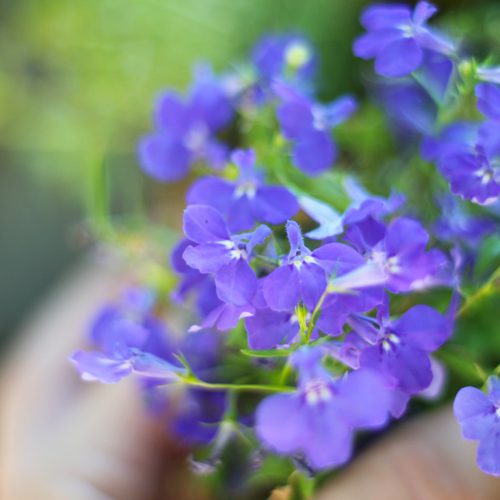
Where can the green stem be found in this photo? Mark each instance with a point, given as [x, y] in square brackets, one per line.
[488, 288]
[314, 316]
[194, 382]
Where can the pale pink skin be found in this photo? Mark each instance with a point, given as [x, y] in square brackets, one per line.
[61, 439]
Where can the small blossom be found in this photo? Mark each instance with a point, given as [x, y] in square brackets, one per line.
[217, 252]
[308, 126]
[318, 419]
[399, 349]
[467, 155]
[284, 57]
[488, 100]
[302, 275]
[398, 38]
[396, 256]
[130, 339]
[479, 416]
[246, 201]
[185, 130]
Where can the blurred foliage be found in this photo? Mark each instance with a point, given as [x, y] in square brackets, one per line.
[82, 76]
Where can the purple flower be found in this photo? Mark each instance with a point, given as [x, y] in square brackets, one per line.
[192, 282]
[130, 339]
[217, 252]
[398, 38]
[267, 328]
[318, 420]
[198, 415]
[399, 349]
[302, 275]
[185, 131]
[488, 100]
[467, 156]
[284, 57]
[479, 416]
[457, 224]
[224, 317]
[411, 106]
[308, 126]
[246, 201]
[396, 256]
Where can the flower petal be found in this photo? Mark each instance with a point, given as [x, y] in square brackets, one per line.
[236, 283]
[399, 58]
[204, 224]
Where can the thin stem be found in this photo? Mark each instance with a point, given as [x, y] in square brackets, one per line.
[314, 315]
[194, 382]
[487, 289]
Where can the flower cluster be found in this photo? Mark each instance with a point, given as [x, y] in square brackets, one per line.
[326, 324]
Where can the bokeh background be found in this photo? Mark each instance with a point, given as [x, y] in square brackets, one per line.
[77, 82]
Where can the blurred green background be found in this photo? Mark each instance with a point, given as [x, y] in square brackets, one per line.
[77, 82]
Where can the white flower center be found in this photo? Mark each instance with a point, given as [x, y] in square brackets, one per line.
[317, 391]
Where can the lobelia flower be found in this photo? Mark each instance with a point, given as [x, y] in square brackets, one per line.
[318, 419]
[413, 107]
[399, 349]
[308, 126]
[397, 38]
[130, 339]
[467, 156]
[246, 201]
[284, 57]
[396, 256]
[457, 224]
[302, 274]
[213, 312]
[185, 130]
[194, 414]
[488, 100]
[192, 282]
[267, 329]
[222, 254]
[479, 417]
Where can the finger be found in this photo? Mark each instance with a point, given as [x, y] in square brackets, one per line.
[425, 459]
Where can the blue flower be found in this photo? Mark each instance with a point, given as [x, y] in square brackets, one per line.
[217, 252]
[246, 201]
[479, 416]
[397, 38]
[284, 57]
[317, 421]
[303, 274]
[399, 349]
[308, 126]
[467, 155]
[488, 100]
[185, 130]
[130, 339]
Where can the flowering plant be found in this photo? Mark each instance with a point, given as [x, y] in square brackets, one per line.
[307, 310]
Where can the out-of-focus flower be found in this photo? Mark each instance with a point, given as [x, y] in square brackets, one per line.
[479, 416]
[308, 126]
[246, 201]
[467, 155]
[397, 38]
[185, 130]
